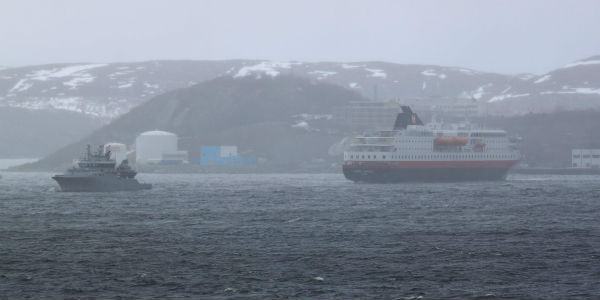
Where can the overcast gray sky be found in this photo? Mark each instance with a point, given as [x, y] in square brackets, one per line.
[508, 36]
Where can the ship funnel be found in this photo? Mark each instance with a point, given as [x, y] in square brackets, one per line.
[405, 118]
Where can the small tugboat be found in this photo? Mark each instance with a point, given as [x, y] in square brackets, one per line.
[97, 172]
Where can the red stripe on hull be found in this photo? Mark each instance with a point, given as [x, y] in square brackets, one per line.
[431, 164]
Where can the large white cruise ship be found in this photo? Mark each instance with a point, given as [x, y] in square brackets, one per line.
[413, 151]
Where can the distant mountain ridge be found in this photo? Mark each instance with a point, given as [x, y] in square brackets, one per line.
[285, 121]
[99, 90]
[90, 95]
[110, 90]
[576, 86]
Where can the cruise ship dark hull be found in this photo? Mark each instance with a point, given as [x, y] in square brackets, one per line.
[98, 184]
[391, 174]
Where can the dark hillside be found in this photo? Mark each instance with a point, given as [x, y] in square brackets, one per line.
[257, 115]
[34, 133]
[549, 138]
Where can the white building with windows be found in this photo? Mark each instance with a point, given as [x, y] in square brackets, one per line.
[585, 158]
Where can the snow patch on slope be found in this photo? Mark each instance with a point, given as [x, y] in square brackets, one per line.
[543, 78]
[582, 63]
[77, 81]
[571, 90]
[76, 71]
[151, 86]
[476, 94]
[526, 76]
[376, 73]
[22, 85]
[68, 103]
[348, 66]
[230, 70]
[269, 68]
[467, 71]
[44, 75]
[114, 75]
[507, 96]
[110, 109]
[301, 124]
[322, 74]
[433, 73]
[125, 85]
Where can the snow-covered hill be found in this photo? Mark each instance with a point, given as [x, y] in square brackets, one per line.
[110, 90]
[101, 90]
[575, 86]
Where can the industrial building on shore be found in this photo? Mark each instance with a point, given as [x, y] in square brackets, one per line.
[585, 158]
[224, 156]
[161, 148]
[158, 147]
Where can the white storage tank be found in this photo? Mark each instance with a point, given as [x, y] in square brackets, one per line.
[151, 145]
[118, 151]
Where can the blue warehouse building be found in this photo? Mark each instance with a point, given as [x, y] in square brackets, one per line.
[224, 156]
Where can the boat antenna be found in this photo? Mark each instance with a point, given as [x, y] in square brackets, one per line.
[107, 154]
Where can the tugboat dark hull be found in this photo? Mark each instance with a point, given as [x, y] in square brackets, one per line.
[395, 175]
[98, 184]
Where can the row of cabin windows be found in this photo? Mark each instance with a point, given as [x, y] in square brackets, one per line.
[435, 156]
[587, 165]
[586, 156]
[417, 141]
[488, 134]
[108, 165]
[476, 134]
[428, 141]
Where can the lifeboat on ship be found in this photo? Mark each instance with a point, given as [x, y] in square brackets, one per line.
[478, 147]
[450, 141]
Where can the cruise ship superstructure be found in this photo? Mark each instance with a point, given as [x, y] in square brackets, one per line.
[413, 151]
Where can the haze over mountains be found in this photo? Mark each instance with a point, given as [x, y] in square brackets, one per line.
[86, 96]
[109, 90]
[284, 121]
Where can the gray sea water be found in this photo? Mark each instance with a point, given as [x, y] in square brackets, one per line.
[301, 236]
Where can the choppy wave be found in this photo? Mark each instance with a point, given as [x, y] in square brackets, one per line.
[301, 236]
